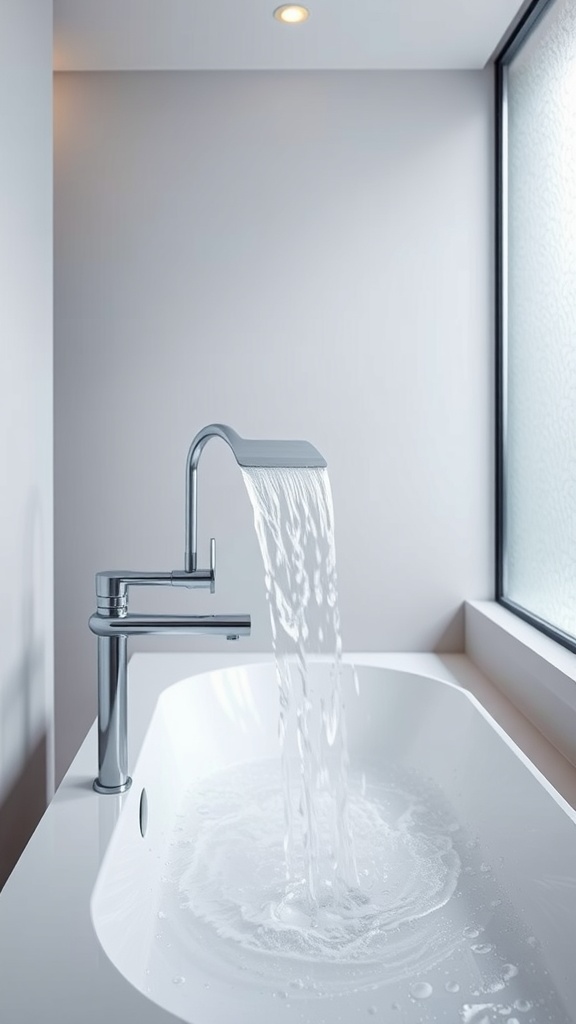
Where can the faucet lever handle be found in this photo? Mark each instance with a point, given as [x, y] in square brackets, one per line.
[212, 564]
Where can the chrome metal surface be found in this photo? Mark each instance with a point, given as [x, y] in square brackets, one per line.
[112, 715]
[174, 625]
[113, 624]
[111, 790]
[248, 453]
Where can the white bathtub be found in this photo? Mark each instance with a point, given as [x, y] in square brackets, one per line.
[92, 927]
[505, 938]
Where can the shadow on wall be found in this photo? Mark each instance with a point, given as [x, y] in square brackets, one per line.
[24, 738]
[451, 638]
[22, 808]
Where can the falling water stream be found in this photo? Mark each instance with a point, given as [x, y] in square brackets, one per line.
[294, 520]
[313, 881]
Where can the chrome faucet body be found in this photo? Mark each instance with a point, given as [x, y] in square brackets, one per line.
[113, 623]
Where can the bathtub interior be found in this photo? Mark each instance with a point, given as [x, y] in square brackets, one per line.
[500, 949]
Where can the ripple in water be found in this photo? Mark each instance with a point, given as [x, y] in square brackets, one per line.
[232, 877]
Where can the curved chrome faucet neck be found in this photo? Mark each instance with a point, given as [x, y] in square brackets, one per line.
[249, 454]
[194, 453]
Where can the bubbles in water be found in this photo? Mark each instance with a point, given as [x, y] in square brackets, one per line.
[482, 948]
[509, 971]
[232, 878]
[452, 986]
[372, 1010]
[421, 990]
[523, 1005]
[178, 980]
[470, 933]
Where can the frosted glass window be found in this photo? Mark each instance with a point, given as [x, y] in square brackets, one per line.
[539, 268]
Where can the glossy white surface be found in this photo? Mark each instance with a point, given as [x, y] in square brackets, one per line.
[52, 967]
[97, 35]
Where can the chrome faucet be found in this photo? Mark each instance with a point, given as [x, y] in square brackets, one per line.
[113, 623]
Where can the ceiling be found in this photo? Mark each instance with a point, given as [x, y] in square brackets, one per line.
[113, 35]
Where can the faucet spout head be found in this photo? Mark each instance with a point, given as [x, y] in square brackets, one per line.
[249, 454]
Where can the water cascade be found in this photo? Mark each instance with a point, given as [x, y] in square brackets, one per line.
[294, 520]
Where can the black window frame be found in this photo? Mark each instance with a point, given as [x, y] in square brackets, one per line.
[512, 44]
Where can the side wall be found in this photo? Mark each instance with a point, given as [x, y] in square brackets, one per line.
[300, 255]
[26, 575]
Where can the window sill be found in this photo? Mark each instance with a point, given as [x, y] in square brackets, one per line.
[534, 672]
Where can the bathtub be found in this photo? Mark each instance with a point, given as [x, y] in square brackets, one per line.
[93, 925]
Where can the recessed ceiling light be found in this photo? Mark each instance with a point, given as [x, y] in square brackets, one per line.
[292, 14]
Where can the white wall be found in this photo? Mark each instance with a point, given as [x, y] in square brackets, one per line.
[26, 602]
[296, 254]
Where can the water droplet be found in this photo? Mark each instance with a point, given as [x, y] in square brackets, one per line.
[421, 990]
[523, 1005]
[206, 984]
[509, 971]
[452, 986]
[470, 933]
[482, 948]
[161, 914]
[485, 869]
[512, 1020]
[297, 983]
[395, 1006]
[178, 980]
[372, 1010]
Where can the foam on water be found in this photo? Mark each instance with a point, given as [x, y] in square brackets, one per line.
[234, 880]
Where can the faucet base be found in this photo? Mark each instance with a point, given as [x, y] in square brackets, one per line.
[97, 785]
